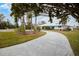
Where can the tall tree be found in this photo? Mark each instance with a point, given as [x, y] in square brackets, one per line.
[36, 10]
[29, 16]
[61, 9]
[1, 17]
[16, 13]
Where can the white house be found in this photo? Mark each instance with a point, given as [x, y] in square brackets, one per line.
[51, 26]
[56, 26]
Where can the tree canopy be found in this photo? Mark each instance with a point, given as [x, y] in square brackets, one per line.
[59, 10]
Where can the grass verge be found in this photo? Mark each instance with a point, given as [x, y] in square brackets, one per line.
[12, 38]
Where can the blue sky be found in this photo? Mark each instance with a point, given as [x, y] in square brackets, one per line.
[5, 9]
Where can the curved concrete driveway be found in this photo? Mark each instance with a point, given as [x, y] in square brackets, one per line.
[51, 44]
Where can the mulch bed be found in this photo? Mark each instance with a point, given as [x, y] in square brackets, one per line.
[27, 33]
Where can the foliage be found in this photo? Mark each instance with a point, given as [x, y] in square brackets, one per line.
[1, 17]
[64, 19]
[38, 28]
[48, 27]
[68, 29]
[59, 10]
[42, 22]
[28, 27]
[21, 29]
[3, 25]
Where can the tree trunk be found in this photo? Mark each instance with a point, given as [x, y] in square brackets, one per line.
[31, 23]
[23, 23]
[35, 23]
[35, 20]
[17, 23]
[50, 17]
[63, 26]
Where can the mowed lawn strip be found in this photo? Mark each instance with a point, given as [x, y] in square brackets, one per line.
[12, 38]
[73, 37]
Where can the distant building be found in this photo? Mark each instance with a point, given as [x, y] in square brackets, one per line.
[52, 26]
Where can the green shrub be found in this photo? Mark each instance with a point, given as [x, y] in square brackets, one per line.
[22, 29]
[38, 29]
[68, 29]
[28, 27]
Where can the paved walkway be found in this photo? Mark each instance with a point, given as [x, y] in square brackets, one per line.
[51, 44]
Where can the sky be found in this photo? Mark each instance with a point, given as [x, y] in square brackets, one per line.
[5, 9]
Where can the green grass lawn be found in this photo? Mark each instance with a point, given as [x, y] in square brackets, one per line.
[73, 37]
[12, 38]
